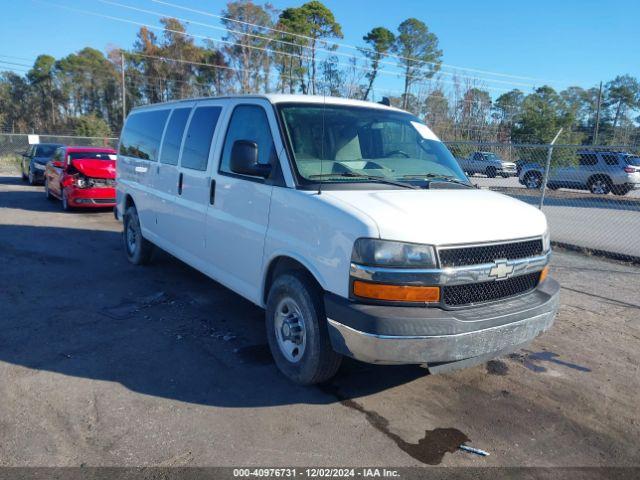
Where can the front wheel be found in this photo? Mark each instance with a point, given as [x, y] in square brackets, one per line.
[46, 189]
[297, 330]
[533, 181]
[137, 248]
[32, 177]
[65, 201]
[599, 185]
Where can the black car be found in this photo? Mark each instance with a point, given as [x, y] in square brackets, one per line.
[35, 159]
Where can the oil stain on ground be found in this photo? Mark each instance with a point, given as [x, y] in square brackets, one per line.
[497, 367]
[530, 359]
[429, 450]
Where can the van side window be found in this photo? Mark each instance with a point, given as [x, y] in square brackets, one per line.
[142, 134]
[610, 159]
[173, 136]
[248, 122]
[195, 153]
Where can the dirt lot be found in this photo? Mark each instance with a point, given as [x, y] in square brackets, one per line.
[104, 363]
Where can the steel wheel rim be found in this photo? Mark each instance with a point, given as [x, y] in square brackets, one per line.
[598, 187]
[290, 330]
[31, 177]
[132, 238]
[532, 182]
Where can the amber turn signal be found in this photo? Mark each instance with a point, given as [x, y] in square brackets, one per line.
[396, 293]
[544, 273]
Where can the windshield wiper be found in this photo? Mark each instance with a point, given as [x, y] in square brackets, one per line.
[371, 178]
[435, 177]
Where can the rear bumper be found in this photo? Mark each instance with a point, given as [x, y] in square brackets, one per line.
[103, 197]
[442, 339]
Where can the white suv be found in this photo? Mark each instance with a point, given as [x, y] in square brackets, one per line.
[348, 221]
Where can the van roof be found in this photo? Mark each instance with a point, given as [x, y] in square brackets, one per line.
[276, 98]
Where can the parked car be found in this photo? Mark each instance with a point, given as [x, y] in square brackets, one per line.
[599, 172]
[34, 161]
[349, 222]
[82, 177]
[489, 164]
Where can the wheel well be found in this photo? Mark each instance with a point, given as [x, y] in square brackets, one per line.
[128, 202]
[280, 265]
[599, 176]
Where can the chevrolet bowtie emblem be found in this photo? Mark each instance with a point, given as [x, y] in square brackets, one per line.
[501, 270]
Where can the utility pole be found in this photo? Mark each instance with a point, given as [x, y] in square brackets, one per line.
[597, 125]
[124, 88]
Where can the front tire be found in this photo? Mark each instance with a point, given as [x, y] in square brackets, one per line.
[32, 177]
[65, 201]
[297, 330]
[24, 175]
[620, 190]
[533, 180]
[46, 190]
[137, 248]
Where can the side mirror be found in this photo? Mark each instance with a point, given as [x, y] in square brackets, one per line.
[244, 159]
[57, 163]
[25, 155]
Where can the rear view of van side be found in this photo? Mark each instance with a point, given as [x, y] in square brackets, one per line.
[349, 222]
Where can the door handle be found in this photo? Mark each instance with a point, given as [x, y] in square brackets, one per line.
[180, 184]
[212, 192]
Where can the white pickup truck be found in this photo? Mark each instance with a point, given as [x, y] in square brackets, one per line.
[348, 221]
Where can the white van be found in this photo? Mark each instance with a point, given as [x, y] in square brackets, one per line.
[348, 221]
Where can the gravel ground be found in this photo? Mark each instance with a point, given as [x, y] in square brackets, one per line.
[103, 363]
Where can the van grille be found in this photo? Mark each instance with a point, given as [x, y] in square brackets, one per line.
[455, 295]
[462, 256]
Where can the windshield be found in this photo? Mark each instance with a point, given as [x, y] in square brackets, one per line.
[633, 160]
[335, 143]
[92, 155]
[492, 156]
[45, 150]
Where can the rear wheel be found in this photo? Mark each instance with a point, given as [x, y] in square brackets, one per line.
[297, 330]
[620, 190]
[137, 248]
[599, 185]
[491, 172]
[533, 180]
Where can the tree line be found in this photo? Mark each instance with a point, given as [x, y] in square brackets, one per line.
[297, 50]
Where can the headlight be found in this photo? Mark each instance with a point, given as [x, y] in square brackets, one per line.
[38, 166]
[546, 241]
[385, 253]
[80, 182]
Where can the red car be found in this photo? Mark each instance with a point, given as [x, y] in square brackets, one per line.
[82, 177]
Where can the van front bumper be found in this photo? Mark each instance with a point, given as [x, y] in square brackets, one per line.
[441, 339]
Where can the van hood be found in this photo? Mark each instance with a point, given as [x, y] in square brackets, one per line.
[96, 168]
[444, 217]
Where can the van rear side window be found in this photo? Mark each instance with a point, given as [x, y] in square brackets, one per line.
[142, 134]
[195, 153]
[173, 136]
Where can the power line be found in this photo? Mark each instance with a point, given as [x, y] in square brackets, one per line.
[215, 40]
[271, 39]
[345, 45]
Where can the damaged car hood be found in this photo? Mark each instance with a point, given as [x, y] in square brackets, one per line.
[95, 168]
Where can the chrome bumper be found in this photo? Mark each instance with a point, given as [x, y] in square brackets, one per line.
[514, 323]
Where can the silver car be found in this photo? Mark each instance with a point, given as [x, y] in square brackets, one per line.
[596, 171]
[489, 164]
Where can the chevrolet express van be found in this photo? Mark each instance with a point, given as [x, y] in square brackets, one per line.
[349, 222]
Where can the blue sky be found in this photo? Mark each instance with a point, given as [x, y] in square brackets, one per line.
[561, 42]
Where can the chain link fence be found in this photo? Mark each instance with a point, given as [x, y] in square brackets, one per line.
[590, 195]
[13, 145]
